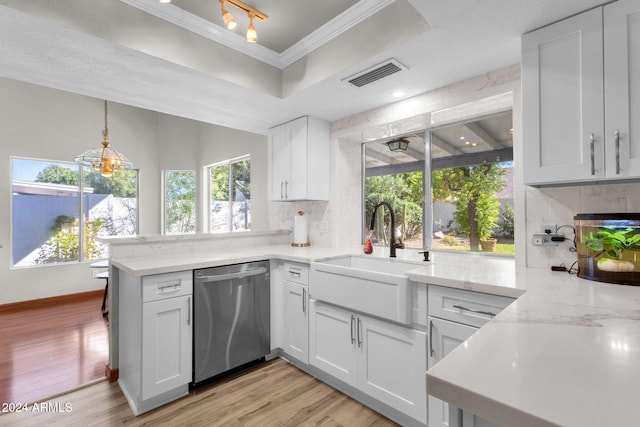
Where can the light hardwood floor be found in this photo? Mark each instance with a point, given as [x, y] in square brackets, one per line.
[273, 393]
[51, 345]
[54, 345]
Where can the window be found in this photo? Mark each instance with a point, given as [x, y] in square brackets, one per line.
[47, 207]
[179, 202]
[467, 171]
[230, 195]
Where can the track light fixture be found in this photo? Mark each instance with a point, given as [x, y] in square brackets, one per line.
[231, 23]
[252, 36]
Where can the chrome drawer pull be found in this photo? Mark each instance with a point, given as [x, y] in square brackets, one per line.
[169, 288]
[487, 313]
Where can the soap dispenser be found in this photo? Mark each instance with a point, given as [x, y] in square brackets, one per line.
[368, 244]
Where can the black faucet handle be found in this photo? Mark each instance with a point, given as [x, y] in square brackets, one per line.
[426, 255]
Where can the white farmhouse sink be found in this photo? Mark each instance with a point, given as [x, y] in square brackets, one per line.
[377, 286]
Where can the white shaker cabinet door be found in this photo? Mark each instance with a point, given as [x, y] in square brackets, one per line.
[392, 365]
[166, 345]
[332, 340]
[444, 337]
[563, 101]
[279, 160]
[296, 321]
[622, 88]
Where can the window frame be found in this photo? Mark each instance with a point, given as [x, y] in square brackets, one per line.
[81, 205]
[207, 205]
[427, 206]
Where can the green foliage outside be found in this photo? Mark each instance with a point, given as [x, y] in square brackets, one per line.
[64, 243]
[472, 190]
[404, 193]
[63, 246]
[180, 194]
[120, 184]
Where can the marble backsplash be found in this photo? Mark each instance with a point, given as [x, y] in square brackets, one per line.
[558, 205]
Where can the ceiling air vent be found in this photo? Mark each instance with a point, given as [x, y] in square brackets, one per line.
[376, 73]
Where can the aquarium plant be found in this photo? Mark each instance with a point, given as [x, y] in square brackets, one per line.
[610, 243]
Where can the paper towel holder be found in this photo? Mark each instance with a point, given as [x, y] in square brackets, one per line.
[302, 244]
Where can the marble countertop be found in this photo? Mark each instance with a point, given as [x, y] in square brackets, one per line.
[565, 353]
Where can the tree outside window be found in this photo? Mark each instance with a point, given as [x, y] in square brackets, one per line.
[230, 195]
[47, 200]
[179, 202]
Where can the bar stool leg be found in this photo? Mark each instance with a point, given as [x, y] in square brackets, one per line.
[104, 299]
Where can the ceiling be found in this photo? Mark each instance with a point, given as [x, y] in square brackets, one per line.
[177, 59]
[486, 139]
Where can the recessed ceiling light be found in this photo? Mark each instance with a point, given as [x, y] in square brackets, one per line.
[462, 137]
[398, 94]
[473, 144]
[467, 142]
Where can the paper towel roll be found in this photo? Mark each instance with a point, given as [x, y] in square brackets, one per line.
[300, 230]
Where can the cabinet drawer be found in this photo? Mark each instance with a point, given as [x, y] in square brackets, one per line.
[469, 308]
[169, 285]
[296, 273]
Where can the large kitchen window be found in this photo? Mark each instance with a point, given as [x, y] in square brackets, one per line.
[59, 208]
[451, 187]
[179, 214]
[230, 195]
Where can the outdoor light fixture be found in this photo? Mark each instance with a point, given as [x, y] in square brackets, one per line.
[105, 159]
[399, 144]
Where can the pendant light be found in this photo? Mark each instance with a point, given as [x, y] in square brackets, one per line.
[105, 160]
[252, 36]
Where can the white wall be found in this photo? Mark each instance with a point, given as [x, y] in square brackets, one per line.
[43, 123]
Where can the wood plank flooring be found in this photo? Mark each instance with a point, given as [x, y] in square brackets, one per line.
[273, 393]
[51, 346]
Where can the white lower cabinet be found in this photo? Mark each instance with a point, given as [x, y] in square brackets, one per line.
[444, 336]
[455, 315]
[155, 339]
[385, 360]
[166, 345]
[295, 321]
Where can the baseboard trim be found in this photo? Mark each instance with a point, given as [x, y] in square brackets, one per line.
[111, 374]
[49, 301]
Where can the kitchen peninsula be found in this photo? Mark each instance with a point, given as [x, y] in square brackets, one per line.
[562, 354]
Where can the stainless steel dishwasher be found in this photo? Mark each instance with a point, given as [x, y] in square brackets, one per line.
[231, 317]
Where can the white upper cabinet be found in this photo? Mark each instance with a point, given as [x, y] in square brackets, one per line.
[299, 160]
[622, 88]
[580, 86]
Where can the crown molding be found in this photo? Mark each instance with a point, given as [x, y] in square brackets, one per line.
[341, 23]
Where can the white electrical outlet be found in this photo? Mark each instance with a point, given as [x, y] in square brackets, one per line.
[551, 227]
[542, 240]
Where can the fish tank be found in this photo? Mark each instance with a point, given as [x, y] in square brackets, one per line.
[608, 247]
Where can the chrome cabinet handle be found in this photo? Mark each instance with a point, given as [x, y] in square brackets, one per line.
[304, 298]
[488, 313]
[431, 338]
[281, 190]
[617, 137]
[286, 189]
[293, 272]
[358, 330]
[189, 311]
[353, 340]
[163, 289]
[592, 142]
